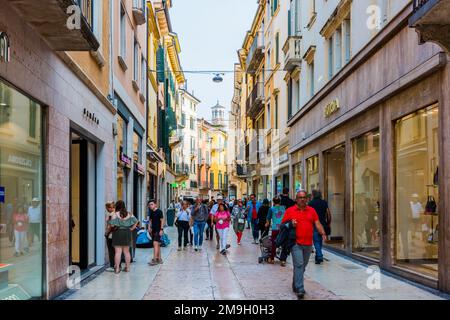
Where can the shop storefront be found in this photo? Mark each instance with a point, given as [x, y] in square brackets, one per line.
[22, 223]
[378, 161]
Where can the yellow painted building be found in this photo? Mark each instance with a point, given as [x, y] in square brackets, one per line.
[218, 172]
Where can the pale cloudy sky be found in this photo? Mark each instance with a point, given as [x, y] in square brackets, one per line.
[210, 33]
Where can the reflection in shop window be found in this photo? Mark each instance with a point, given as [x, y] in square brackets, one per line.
[312, 167]
[366, 195]
[21, 177]
[298, 182]
[417, 183]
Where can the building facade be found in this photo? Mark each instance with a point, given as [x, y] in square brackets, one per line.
[218, 174]
[129, 83]
[204, 158]
[369, 131]
[187, 155]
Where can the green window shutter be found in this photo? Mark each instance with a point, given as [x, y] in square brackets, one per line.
[160, 65]
[277, 48]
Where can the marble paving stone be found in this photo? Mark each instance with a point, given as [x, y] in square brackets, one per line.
[207, 275]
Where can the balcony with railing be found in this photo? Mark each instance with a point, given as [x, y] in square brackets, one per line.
[292, 53]
[255, 100]
[52, 19]
[241, 170]
[431, 19]
[139, 10]
[176, 138]
[256, 53]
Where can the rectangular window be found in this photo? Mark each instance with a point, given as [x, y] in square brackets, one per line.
[211, 180]
[192, 123]
[143, 75]
[276, 112]
[277, 48]
[417, 191]
[347, 46]
[123, 32]
[330, 58]
[338, 43]
[311, 80]
[268, 116]
[183, 119]
[136, 61]
[366, 195]
[289, 90]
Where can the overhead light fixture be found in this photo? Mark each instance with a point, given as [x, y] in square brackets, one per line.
[218, 77]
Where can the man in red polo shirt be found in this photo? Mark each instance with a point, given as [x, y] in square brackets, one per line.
[303, 219]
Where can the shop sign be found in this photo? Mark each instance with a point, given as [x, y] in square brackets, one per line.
[5, 47]
[139, 168]
[90, 116]
[19, 159]
[24, 162]
[2, 194]
[331, 108]
[125, 160]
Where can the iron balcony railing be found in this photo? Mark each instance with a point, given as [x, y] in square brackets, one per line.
[419, 4]
[255, 99]
[256, 52]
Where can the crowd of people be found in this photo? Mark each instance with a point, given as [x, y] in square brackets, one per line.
[293, 227]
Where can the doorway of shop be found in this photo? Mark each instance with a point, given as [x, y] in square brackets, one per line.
[335, 194]
[82, 202]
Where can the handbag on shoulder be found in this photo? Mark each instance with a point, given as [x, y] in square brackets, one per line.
[431, 206]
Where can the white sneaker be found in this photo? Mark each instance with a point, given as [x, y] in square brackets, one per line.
[109, 269]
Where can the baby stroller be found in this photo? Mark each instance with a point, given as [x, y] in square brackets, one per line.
[265, 244]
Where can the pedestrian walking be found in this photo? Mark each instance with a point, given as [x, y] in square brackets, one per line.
[274, 218]
[21, 222]
[210, 222]
[286, 201]
[199, 215]
[110, 215]
[262, 218]
[156, 230]
[35, 215]
[239, 216]
[222, 220]
[214, 210]
[183, 218]
[303, 218]
[252, 216]
[323, 211]
[123, 223]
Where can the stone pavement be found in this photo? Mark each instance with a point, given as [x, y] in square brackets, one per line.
[190, 275]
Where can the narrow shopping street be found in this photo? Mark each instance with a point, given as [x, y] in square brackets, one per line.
[207, 275]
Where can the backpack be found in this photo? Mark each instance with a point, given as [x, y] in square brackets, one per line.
[143, 240]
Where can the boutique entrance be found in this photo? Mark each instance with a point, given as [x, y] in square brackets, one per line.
[335, 193]
[82, 202]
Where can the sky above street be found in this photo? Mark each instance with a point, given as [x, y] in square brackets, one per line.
[210, 33]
